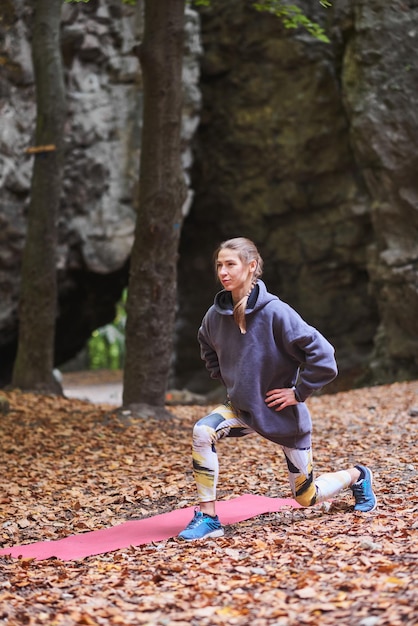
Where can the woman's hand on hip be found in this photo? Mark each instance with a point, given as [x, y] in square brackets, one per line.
[279, 399]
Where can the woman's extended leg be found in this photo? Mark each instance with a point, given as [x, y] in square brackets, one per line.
[309, 491]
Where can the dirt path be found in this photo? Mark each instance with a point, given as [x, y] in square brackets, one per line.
[98, 387]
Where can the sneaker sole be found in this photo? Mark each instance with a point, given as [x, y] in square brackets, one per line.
[213, 534]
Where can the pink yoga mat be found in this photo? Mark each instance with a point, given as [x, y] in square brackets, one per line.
[139, 532]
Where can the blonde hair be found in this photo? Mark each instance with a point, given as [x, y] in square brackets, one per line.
[247, 252]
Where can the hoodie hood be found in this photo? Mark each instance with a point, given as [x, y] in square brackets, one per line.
[257, 300]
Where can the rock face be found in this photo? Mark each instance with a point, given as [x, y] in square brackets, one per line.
[380, 91]
[308, 148]
[99, 44]
[96, 215]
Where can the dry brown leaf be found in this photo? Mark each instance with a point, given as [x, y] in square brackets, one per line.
[66, 470]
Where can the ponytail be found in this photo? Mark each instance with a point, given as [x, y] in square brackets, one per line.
[240, 308]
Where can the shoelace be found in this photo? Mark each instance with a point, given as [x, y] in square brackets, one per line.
[196, 521]
[359, 491]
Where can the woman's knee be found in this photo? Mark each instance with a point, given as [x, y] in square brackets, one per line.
[205, 430]
[307, 498]
[203, 435]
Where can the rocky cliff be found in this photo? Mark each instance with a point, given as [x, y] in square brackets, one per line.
[100, 42]
[309, 148]
[306, 147]
[379, 79]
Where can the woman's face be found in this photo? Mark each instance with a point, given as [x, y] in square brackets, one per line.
[234, 275]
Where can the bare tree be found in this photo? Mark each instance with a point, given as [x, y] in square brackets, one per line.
[33, 368]
[152, 288]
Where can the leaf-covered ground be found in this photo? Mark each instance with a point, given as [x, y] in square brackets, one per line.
[66, 470]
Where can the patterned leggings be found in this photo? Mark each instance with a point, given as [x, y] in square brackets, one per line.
[224, 422]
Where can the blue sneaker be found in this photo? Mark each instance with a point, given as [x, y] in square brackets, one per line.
[202, 526]
[363, 492]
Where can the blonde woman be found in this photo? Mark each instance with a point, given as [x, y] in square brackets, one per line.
[270, 361]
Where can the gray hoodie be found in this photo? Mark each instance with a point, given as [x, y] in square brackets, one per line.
[278, 350]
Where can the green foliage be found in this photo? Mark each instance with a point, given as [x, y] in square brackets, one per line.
[293, 17]
[290, 14]
[106, 346]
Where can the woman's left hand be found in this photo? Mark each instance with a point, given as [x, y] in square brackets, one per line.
[280, 398]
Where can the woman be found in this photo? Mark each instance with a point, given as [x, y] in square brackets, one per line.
[270, 361]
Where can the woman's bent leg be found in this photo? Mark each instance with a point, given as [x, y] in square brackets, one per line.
[222, 422]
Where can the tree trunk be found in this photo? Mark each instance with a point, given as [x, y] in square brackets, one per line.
[38, 301]
[152, 288]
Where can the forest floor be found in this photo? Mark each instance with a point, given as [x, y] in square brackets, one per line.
[69, 467]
